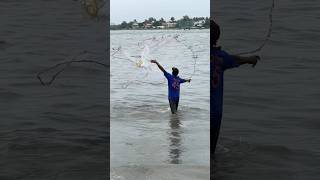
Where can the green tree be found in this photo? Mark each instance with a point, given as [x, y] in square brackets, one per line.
[185, 22]
[186, 18]
[124, 25]
[157, 23]
[129, 25]
[207, 23]
[151, 19]
[172, 19]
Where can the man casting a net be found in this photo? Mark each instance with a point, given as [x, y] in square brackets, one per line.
[219, 62]
[174, 82]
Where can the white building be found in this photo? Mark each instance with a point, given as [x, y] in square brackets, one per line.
[161, 27]
[199, 24]
[147, 25]
[135, 25]
[171, 25]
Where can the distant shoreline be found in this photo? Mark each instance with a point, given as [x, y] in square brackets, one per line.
[151, 23]
[158, 29]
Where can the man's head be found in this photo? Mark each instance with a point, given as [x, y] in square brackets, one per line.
[175, 71]
[214, 32]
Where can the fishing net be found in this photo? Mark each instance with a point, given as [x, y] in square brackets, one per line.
[48, 75]
[268, 35]
[94, 8]
[171, 50]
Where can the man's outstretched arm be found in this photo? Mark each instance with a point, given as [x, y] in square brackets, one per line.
[246, 60]
[186, 80]
[159, 66]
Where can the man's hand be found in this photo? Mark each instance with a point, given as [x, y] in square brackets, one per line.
[247, 59]
[254, 60]
[159, 66]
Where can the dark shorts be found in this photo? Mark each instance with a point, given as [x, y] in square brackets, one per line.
[174, 102]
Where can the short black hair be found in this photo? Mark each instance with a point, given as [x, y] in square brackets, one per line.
[214, 32]
[175, 71]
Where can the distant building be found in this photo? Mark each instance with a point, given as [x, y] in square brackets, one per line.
[147, 26]
[135, 25]
[161, 27]
[171, 25]
[199, 24]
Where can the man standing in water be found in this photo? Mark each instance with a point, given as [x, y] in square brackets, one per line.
[174, 82]
[219, 62]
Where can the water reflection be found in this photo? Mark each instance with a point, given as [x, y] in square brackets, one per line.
[174, 133]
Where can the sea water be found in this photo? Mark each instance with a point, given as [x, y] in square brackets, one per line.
[146, 139]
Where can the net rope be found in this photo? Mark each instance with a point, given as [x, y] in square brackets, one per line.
[268, 35]
[157, 43]
[66, 64]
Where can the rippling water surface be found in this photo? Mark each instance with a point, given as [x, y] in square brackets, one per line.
[61, 131]
[144, 134]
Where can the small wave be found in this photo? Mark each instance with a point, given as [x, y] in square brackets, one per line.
[45, 130]
[10, 96]
[160, 172]
[95, 107]
[3, 44]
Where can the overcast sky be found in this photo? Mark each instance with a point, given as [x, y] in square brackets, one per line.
[127, 10]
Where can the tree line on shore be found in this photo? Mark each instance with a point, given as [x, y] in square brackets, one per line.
[152, 23]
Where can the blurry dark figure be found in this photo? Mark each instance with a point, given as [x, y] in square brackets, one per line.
[219, 62]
